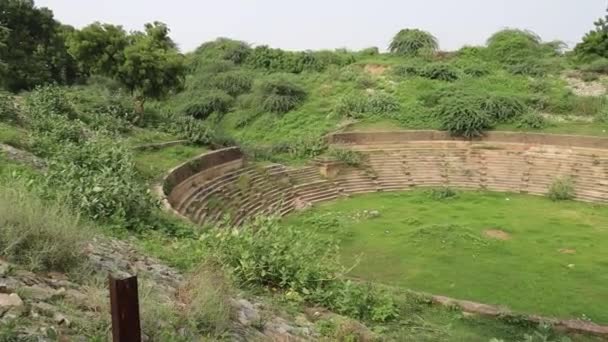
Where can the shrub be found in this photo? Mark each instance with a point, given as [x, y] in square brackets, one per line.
[589, 77]
[222, 49]
[477, 70]
[214, 101]
[503, 108]
[8, 110]
[49, 100]
[357, 105]
[39, 235]
[195, 130]
[528, 67]
[266, 254]
[280, 94]
[302, 262]
[561, 189]
[462, 116]
[98, 178]
[512, 46]
[206, 299]
[595, 42]
[348, 157]
[440, 71]
[370, 51]
[233, 83]
[49, 133]
[599, 65]
[413, 42]
[532, 120]
[442, 193]
[408, 70]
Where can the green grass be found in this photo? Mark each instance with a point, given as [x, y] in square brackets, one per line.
[141, 136]
[440, 247]
[152, 164]
[12, 135]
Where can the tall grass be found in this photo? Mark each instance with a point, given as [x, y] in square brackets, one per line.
[38, 235]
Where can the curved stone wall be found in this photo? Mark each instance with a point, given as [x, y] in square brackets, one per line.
[221, 185]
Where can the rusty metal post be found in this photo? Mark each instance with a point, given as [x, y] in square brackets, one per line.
[124, 303]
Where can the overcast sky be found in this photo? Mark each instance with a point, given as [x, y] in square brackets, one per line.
[329, 24]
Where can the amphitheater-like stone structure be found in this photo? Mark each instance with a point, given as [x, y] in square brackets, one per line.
[223, 186]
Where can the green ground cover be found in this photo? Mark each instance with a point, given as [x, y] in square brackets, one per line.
[551, 262]
[154, 163]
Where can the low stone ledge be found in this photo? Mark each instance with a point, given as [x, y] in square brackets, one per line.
[568, 325]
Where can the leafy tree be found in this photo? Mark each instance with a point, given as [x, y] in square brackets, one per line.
[152, 65]
[34, 47]
[99, 48]
[413, 42]
[595, 42]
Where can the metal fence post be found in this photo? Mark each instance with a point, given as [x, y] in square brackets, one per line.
[125, 310]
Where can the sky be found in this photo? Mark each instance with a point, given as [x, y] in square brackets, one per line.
[330, 24]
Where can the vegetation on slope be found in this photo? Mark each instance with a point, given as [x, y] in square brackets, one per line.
[78, 100]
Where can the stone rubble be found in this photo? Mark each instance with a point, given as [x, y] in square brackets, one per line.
[35, 296]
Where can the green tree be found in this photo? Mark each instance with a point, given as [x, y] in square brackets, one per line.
[595, 42]
[152, 65]
[99, 48]
[35, 51]
[413, 42]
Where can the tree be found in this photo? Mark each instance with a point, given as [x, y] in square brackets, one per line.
[152, 66]
[35, 51]
[99, 48]
[595, 42]
[413, 42]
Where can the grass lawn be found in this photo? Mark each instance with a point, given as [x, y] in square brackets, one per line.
[552, 258]
[153, 164]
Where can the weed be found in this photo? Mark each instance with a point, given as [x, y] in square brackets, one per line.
[39, 235]
[561, 189]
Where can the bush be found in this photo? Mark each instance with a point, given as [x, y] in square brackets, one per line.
[532, 120]
[599, 65]
[8, 110]
[442, 193]
[413, 42]
[370, 51]
[40, 236]
[477, 70]
[98, 178]
[529, 67]
[195, 130]
[49, 133]
[561, 189]
[49, 100]
[408, 70]
[348, 157]
[503, 108]
[358, 105]
[206, 299]
[462, 116]
[303, 263]
[280, 94]
[214, 101]
[513, 46]
[233, 83]
[440, 71]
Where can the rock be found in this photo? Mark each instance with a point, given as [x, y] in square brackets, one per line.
[41, 293]
[45, 309]
[9, 285]
[374, 214]
[247, 313]
[4, 268]
[61, 319]
[10, 300]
